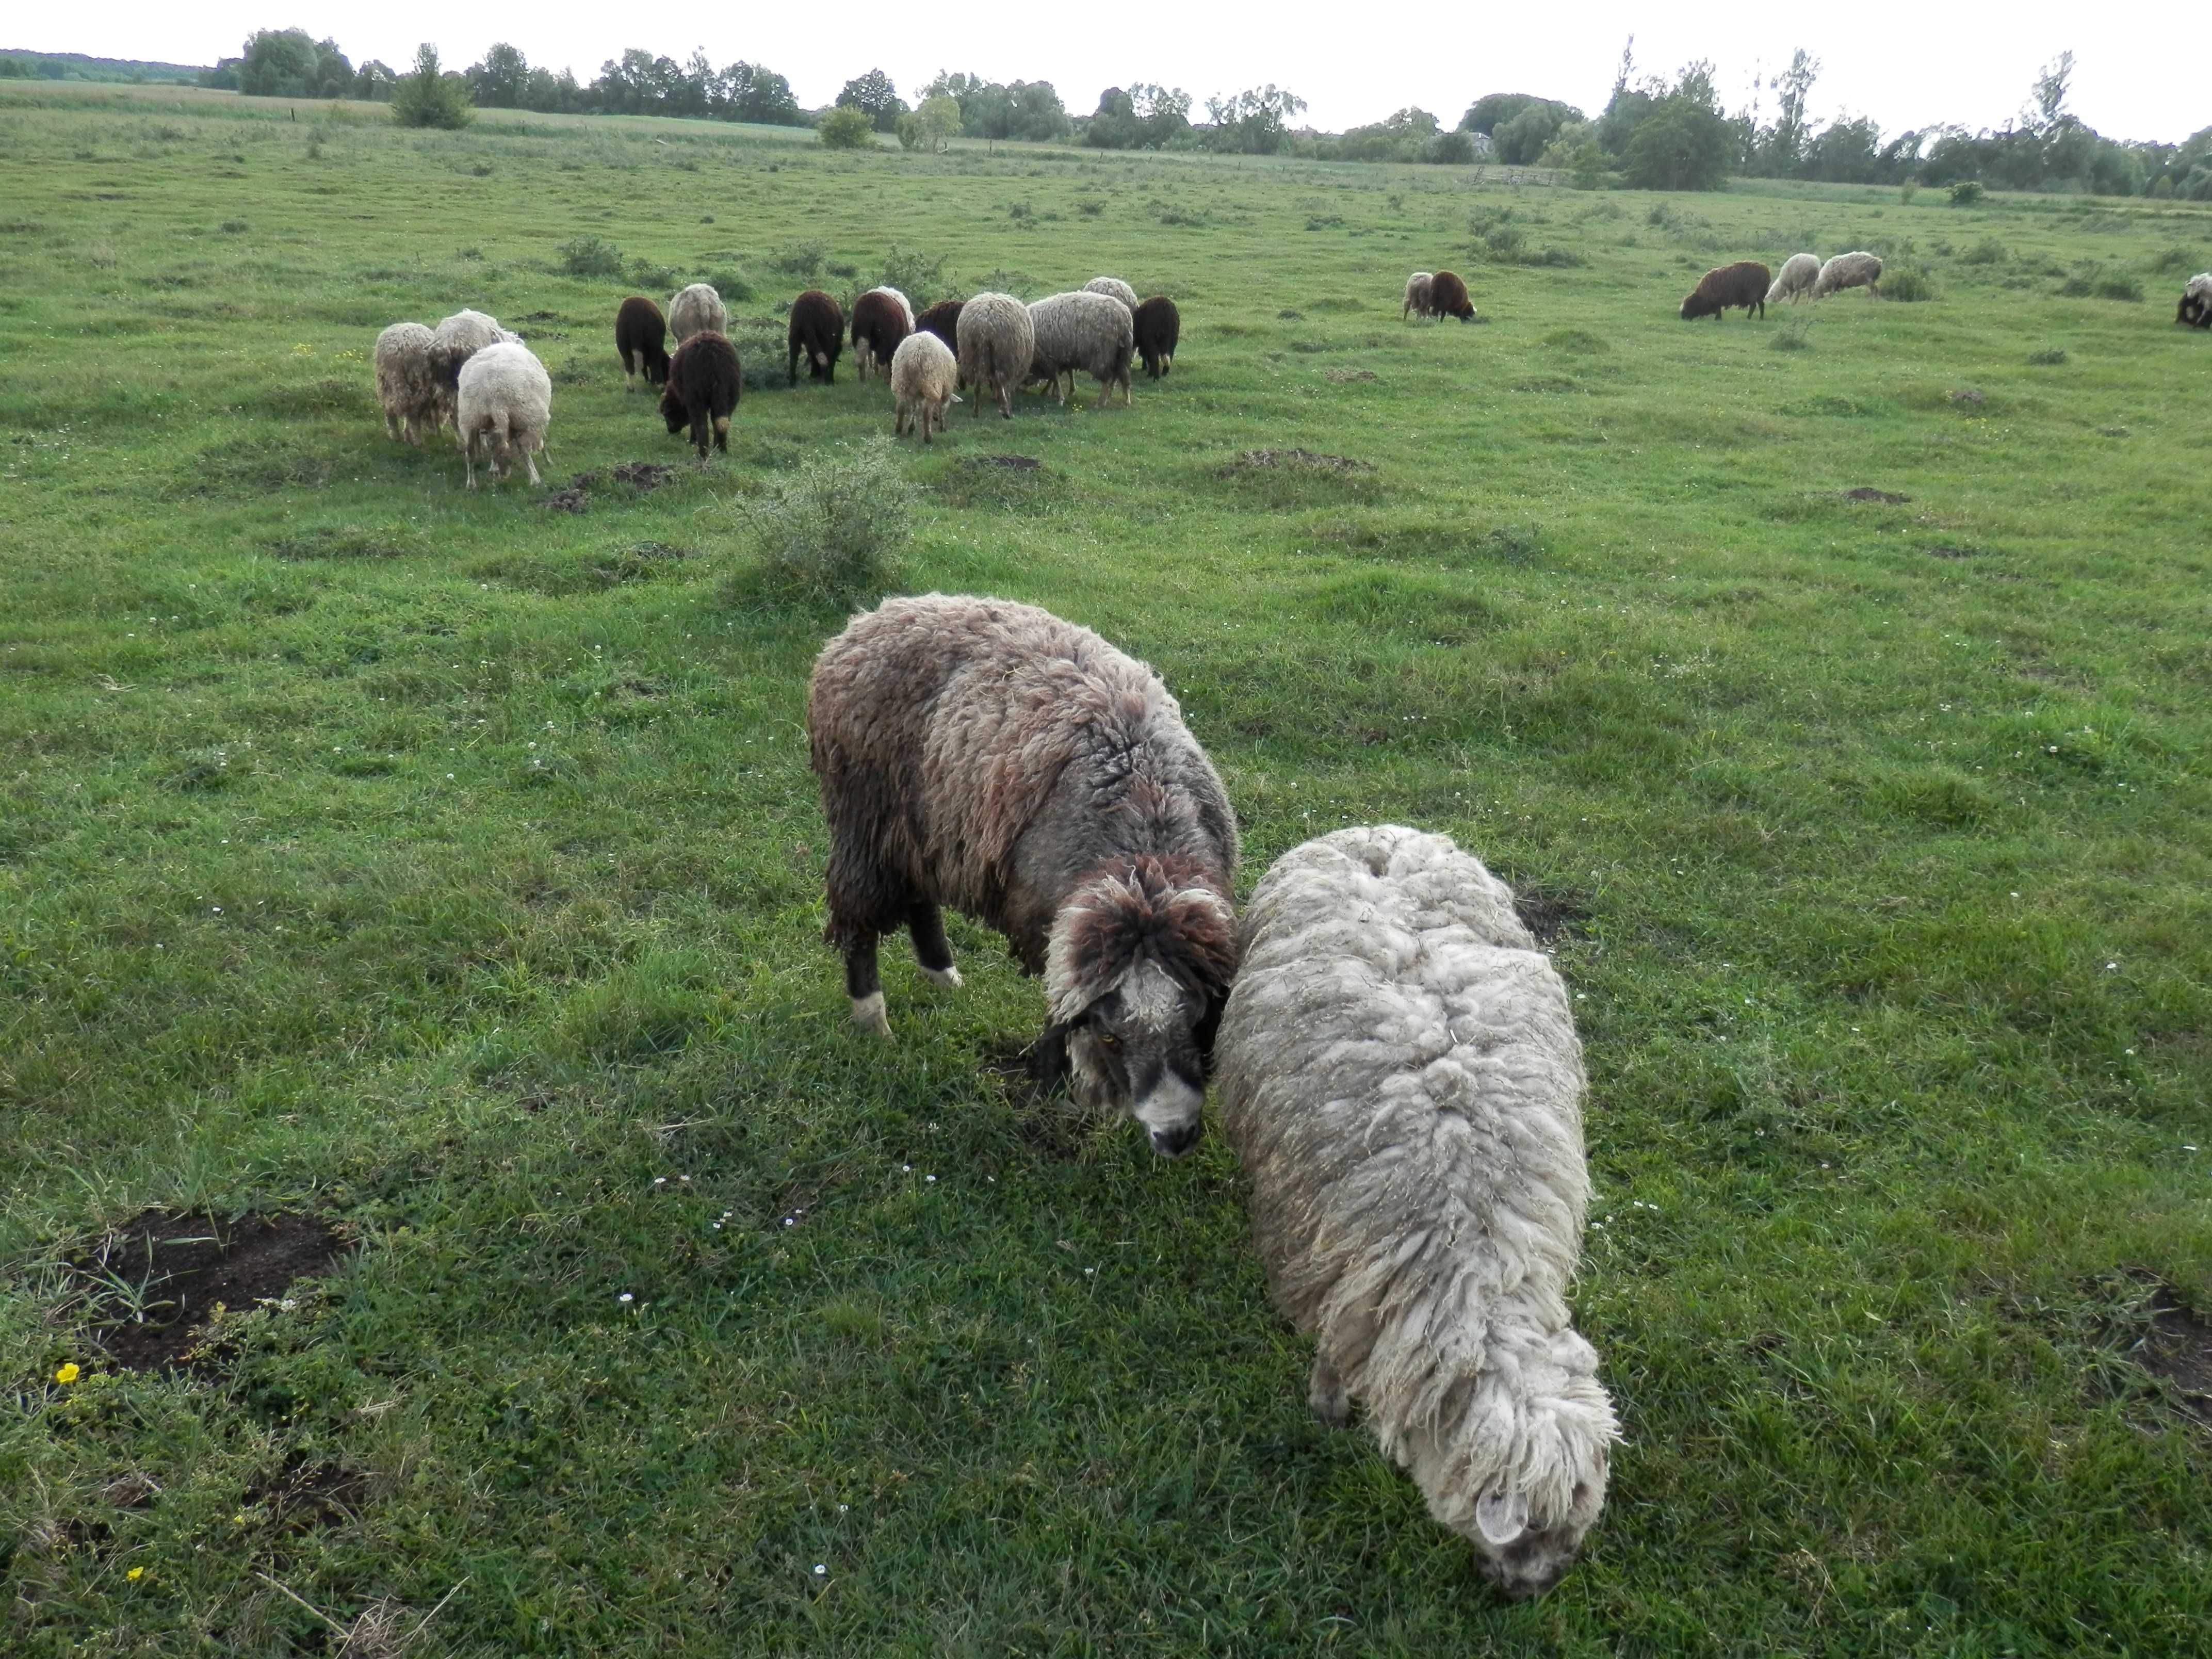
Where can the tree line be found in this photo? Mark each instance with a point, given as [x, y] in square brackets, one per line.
[1655, 132]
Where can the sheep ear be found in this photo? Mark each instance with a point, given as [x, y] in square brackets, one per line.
[1209, 1025]
[1501, 1517]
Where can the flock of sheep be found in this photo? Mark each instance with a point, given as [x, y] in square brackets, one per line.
[1397, 1062]
[470, 373]
[1749, 284]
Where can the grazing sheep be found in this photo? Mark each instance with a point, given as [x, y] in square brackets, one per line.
[407, 387]
[1420, 295]
[1448, 297]
[454, 342]
[1400, 1078]
[817, 329]
[1093, 332]
[1847, 270]
[697, 310]
[942, 319]
[996, 340]
[881, 319]
[641, 340]
[1114, 287]
[1799, 272]
[506, 399]
[1743, 283]
[923, 371]
[704, 383]
[988, 756]
[2196, 306]
[1159, 326]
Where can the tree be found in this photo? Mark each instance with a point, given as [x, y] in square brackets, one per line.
[1682, 144]
[750, 92]
[1784, 143]
[333, 70]
[939, 118]
[847, 127]
[1484, 113]
[1035, 112]
[279, 64]
[1254, 122]
[874, 96]
[375, 81]
[2052, 83]
[499, 80]
[427, 98]
[1524, 138]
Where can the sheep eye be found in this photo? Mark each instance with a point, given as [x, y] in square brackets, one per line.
[1109, 1039]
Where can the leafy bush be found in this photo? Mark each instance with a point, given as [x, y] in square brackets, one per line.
[846, 128]
[831, 528]
[1452, 149]
[2048, 357]
[1906, 284]
[1793, 336]
[2119, 288]
[1967, 191]
[429, 98]
[916, 275]
[2175, 261]
[803, 261]
[1987, 251]
[591, 255]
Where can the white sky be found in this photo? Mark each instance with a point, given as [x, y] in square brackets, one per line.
[1354, 61]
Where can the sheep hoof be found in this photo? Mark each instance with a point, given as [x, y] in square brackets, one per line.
[1325, 1395]
[948, 977]
[868, 1014]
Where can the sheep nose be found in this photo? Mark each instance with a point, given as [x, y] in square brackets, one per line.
[1176, 1140]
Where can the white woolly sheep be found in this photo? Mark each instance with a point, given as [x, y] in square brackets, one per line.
[2196, 306]
[996, 342]
[452, 343]
[1417, 300]
[1093, 333]
[1799, 272]
[1399, 1073]
[407, 382]
[923, 371]
[507, 401]
[697, 310]
[1845, 270]
[1114, 287]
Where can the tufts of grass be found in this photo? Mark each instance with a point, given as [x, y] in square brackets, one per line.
[2048, 357]
[834, 527]
[591, 255]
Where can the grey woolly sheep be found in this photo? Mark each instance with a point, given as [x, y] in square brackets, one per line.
[1400, 1076]
[698, 309]
[988, 756]
[454, 342]
[2196, 306]
[1093, 332]
[923, 371]
[407, 387]
[507, 402]
[996, 341]
[1798, 274]
[1114, 287]
[1417, 300]
[1845, 270]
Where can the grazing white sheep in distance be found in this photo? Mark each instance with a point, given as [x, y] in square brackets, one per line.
[698, 309]
[1859, 270]
[407, 387]
[507, 403]
[1419, 290]
[1798, 274]
[1400, 1076]
[1114, 288]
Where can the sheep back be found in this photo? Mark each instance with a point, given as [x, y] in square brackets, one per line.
[942, 319]
[1400, 1076]
[1114, 288]
[407, 387]
[817, 330]
[995, 340]
[1419, 296]
[459, 337]
[696, 310]
[1448, 297]
[1795, 279]
[923, 373]
[506, 404]
[881, 320]
[1855, 269]
[1091, 332]
[1743, 283]
[642, 339]
[705, 382]
[1158, 326]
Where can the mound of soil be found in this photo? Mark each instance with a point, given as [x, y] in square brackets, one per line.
[1863, 493]
[2180, 1349]
[643, 475]
[567, 500]
[182, 1268]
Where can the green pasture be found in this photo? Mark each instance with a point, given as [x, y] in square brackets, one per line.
[446, 867]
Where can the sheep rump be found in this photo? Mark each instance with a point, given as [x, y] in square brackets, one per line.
[698, 309]
[1093, 333]
[942, 319]
[1420, 299]
[988, 756]
[705, 382]
[506, 399]
[1157, 326]
[1400, 1076]
[995, 340]
[1743, 283]
[1860, 270]
[923, 371]
[1115, 288]
[1794, 280]
[817, 329]
[641, 342]
[407, 386]
[2196, 306]
[1448, 297]
[881, 319]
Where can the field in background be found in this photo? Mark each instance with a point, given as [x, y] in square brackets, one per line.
[447, 867]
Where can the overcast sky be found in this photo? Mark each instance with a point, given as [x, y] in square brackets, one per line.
[1354, 63]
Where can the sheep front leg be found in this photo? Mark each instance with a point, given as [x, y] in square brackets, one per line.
[926, 923]
[1325, 1394]
[864, 986]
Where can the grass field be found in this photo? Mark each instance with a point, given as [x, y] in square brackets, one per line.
[447, 868]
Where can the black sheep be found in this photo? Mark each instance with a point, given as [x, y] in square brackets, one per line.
[1448, 297]
[2196, 306]
[1743, 283]
[1159, 324]
[817, 329]
[641, 338]
[879, 325]
[704, 384]
[942, 319]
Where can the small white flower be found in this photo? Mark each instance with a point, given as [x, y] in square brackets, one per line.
[625, 1298]
[819, 1569]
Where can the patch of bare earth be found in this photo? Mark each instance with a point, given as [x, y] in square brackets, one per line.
[174, 1272]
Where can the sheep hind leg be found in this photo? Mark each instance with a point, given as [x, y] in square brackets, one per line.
[530, 460]
[925, 922]
[1325, 1394]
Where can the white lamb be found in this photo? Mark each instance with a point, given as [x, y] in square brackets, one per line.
[1799, 272]
[1400, 1075]
[506, 400]
[698, 309]
[1860, 270]
[923, 374]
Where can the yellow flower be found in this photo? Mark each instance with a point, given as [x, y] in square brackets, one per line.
[133, 1575]
[67, 1374]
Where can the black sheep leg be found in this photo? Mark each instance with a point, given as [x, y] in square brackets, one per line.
[926, 922]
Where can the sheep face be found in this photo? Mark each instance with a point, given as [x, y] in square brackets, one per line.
[1524, 1559]
[1137, 1049]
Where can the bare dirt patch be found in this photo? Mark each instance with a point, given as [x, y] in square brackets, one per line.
[571, 500]
[1551, 914]
[174, 1271]
[2177, 1346]
[306, 1497]
[1887, 498]
[1351, 374]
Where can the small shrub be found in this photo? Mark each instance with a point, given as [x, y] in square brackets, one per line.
[469, 253]
[733, 285]
[428, 98]
[916, 275]
[233, 227]
[1967, 191]
[1907, 190]
[1000, 280]
[591, 255]
[803, 261]
[644, 273]
[832, 528]
[2175, 261]
[846, 128]
[1091, 210]
[1987, 251]
[1906, 285]
[1796, 335]
[1513, 544]
[2048, 357]
[1167, 214]
[1017, 210]
[2119, 288]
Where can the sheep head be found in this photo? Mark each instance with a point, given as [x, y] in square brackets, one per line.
[1137, 971]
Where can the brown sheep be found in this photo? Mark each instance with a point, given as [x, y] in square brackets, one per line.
[704, 384]
[1743, 283]
[1448, 297]
[942, 319]
[1158, 325]
[817, 328]
[880, 321]
[641, 338]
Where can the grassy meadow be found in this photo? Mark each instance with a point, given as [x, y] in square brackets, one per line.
[447, 867]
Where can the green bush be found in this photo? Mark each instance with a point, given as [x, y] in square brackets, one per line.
[1967, 193]
[2119, 288]
[1987, 251]
[2049, 357]
[846, 128]
[733, 285]
[831, 528]
[916, 275]
[1793, 336]
[429, 98]
[591, 255]
[1907, 284]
